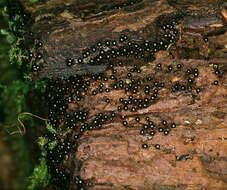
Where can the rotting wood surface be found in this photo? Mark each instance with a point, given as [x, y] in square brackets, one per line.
[193, 156]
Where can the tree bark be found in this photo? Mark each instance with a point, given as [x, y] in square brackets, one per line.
[117, 154]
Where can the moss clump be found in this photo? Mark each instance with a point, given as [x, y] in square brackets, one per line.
[17, 21]
[15, 85]
[18, 55]
[14, 94]
[40, 176]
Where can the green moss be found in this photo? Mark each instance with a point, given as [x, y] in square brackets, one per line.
[13, 97]
[13, 93]
[13, 100]
[169, 46]
[52, 144]
[17, 55]
[23, 166]
[42, 141]
[9, 36]
[51, 129]
[32, 1]
[40, 176]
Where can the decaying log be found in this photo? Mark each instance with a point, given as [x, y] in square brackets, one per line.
[66, 29]
[189, 75]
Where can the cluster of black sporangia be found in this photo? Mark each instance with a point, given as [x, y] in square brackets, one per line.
[54, 156]
[61, 92]
[64, 91]
[80, 183]
[38, 45]
[106, 50]
[217, 70]
[57, 109]
[149, 86]
[73, 89]
[150, 128]
[190, 84]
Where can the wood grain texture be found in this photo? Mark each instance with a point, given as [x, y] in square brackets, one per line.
[193, 156]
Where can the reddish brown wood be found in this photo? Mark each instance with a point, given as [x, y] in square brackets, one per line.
[194, 155]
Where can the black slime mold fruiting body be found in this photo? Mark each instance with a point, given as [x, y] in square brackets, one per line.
[86, 76]
[73, 88]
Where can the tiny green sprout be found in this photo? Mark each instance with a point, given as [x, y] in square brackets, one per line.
[42, 141]
[169, 46]
[50, 128]
[201, 53]
[53, 144]
[209, 50]
[16, 55]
